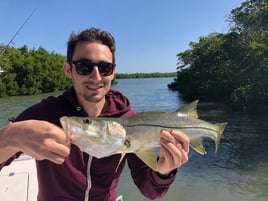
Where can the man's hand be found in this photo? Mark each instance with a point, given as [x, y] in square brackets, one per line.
[174, 149]
[39, 139]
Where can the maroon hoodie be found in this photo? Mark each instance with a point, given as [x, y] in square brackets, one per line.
[83, 177]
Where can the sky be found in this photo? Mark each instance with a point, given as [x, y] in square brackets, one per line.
[148, 33]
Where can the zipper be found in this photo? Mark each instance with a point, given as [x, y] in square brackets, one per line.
[88, 178]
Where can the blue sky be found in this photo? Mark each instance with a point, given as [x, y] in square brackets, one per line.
[148, 33]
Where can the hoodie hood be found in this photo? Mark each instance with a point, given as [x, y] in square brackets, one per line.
[118, 105]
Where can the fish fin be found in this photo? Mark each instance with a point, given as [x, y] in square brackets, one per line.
[197, 145]
[221, 127]
[190, 109]
[148, 157]
[122, 156]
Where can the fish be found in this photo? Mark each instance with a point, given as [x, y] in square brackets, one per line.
[140, 134]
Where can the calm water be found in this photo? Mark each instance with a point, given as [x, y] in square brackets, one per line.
[238, 172]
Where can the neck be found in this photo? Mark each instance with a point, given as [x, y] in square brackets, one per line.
[93, 109]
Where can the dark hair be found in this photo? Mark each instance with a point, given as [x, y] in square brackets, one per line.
[90, 35]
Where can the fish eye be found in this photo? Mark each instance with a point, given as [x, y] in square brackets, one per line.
[127, 143]
[87, 121]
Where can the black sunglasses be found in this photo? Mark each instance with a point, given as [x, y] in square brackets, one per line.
[85, 67]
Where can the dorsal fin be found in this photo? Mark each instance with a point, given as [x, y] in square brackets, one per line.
[190, 109]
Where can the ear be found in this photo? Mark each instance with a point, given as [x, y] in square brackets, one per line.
[67, 69]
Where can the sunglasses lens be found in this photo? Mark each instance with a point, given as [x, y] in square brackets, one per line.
[105, 68]
[84, 67]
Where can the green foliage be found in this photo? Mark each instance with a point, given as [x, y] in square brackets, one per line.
[27, 72]
[230, 67]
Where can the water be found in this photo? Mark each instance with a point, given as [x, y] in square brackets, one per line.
[238, 172]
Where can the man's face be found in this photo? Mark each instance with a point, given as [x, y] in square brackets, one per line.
[93, 87]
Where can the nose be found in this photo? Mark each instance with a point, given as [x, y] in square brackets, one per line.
[95, 74]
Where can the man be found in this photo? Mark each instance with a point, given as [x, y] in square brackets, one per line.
[66, 173]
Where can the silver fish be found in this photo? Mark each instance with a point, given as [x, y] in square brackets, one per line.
[139, 134]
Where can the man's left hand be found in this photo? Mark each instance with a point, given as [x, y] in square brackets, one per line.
[174, 149]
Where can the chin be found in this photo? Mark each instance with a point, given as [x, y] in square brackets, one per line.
[94, 98]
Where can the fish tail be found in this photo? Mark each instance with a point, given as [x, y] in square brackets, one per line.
[221, 127]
